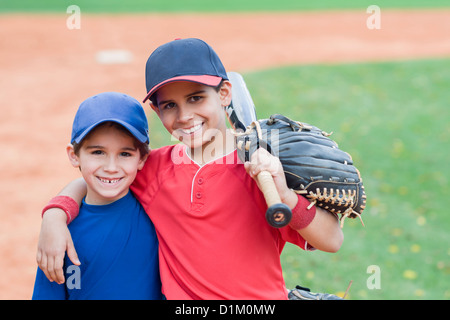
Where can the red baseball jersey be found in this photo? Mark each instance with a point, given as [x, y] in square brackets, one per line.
[214, 241]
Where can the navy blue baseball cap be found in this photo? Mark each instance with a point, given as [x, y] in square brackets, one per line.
[183, 60]
[110, 106]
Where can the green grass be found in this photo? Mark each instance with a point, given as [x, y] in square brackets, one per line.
[206, 5]
[393, 118]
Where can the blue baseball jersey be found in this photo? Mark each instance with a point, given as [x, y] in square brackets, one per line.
[118, 250]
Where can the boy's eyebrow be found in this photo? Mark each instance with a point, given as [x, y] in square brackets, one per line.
[188, 95]
[194, 93]
[94, 147]
[130, 148]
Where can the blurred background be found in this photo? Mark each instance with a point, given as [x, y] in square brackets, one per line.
[377, 76]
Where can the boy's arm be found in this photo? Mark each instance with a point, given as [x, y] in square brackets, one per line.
[317, 226]
[323, 232]
[55, 238]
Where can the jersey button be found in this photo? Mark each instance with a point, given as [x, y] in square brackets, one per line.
[200, 181]
[198, 195]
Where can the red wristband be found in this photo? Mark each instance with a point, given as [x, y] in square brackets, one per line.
[67, 204]
[302, 214]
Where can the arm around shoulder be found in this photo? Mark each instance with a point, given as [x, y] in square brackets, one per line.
[69, 199]
[55, 238]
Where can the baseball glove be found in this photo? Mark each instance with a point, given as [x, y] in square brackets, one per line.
[302, 293]
[314, 166]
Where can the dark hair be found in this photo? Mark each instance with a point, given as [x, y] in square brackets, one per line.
[142, 147]
[154, 100]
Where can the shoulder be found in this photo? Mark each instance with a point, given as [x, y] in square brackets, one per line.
[164, 151]
[157, 160]
[161, 155]
[158, 163]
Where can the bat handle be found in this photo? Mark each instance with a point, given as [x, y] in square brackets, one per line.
[278, 214]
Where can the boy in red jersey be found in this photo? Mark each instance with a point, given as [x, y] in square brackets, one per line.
[207, 209]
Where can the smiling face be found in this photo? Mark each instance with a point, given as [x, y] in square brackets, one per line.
[193, 113]
[108, 160]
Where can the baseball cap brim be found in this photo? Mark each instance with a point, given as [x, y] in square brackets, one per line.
[202, 79]
[142, 138]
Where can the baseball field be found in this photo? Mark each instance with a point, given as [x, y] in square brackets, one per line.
[376, 74]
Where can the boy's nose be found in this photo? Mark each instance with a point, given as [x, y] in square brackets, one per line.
[110, 164]
[185, 115]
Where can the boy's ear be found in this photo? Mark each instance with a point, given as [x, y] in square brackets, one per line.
[155, 108]
[142, 162]
[73, 158]
[225, 93]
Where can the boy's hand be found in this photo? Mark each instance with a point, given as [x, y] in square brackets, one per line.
[262, 160]
[54, 241]
[324, 232]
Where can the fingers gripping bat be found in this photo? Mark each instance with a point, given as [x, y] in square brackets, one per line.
[241, 113]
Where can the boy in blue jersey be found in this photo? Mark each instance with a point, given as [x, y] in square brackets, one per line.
[116, 241]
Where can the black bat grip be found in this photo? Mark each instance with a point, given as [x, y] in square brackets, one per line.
[278, 215]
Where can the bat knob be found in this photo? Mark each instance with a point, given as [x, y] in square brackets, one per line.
[278, 215]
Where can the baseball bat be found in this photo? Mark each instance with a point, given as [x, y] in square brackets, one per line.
[241, 113]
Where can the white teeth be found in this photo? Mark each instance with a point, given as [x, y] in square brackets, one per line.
[108, 180]
[190, 130]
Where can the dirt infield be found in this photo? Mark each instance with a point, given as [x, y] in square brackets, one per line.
[46, 70]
